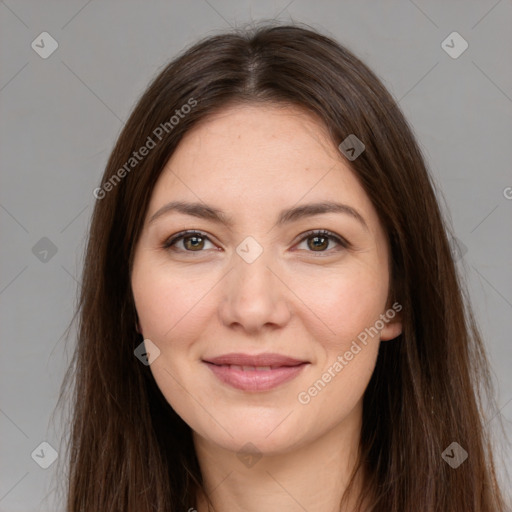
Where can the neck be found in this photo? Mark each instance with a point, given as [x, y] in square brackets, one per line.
[311, 477]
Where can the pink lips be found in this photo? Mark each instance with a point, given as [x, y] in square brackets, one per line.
[255, 373]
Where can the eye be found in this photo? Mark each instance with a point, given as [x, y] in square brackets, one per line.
[193, 241]
[318, 241]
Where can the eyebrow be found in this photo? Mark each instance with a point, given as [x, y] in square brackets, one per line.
[204, 211]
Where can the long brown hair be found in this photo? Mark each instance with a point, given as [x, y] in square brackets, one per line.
[128, 450]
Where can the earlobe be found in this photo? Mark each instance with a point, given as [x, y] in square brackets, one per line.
[392, 329]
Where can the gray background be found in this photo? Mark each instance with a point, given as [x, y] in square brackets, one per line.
[60, 117]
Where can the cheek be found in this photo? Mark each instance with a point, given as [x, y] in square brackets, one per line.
[351, 304]
[349, 307]
[347, 303]
[164, 301]
[168, 308]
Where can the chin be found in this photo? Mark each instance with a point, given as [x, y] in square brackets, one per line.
[268, 438]
[257, 444]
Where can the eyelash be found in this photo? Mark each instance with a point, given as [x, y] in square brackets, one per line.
[169, 243]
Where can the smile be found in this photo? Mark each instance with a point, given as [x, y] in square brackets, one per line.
[255, 378]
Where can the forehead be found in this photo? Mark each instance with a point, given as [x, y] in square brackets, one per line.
[252, 158]
[263, 137]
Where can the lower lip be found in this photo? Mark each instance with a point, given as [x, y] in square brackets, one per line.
[255, 380]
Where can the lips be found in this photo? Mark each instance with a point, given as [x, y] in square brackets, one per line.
[255, 373]
[262, 360]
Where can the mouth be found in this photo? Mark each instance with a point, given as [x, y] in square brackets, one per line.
[255, 373]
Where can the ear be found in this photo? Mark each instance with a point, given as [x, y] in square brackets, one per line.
[392, 328]
[137, 326]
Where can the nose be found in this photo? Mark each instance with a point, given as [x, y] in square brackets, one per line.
[255, 296]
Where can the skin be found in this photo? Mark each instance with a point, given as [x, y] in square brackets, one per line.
[251, 161]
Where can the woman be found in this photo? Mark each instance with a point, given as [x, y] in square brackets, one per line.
[270, 316]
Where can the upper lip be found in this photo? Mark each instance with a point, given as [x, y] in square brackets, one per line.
[268, 359]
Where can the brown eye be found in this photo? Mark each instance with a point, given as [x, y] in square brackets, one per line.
[192, 241]
[318, 241]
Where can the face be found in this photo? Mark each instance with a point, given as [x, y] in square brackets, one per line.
[251, 279]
